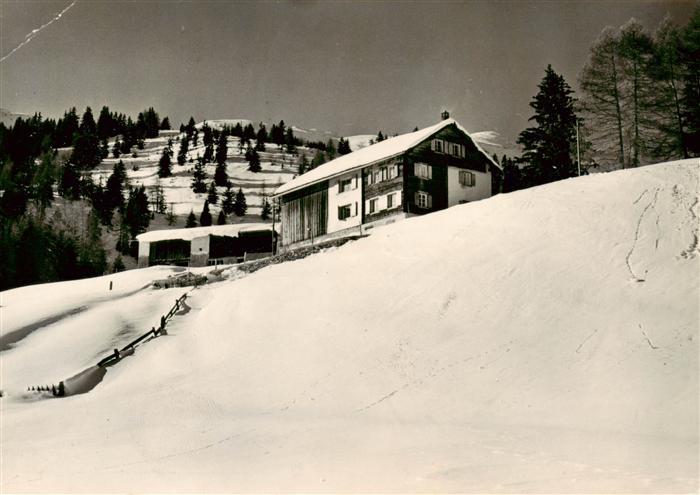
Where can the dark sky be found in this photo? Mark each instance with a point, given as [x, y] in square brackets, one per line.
[350, 67]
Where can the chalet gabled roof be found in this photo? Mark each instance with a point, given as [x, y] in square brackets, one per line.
[371, 154]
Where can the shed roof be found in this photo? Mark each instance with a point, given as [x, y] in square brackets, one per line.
[192, 233]
[365, 156]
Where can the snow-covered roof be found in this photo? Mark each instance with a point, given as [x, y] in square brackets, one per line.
[194, 232]
[371, 154]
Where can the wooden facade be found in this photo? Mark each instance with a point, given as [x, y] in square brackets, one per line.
[304, 214]
[436, 185]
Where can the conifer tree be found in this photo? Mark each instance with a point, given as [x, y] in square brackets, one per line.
[222, 149]
[254, 162]
[199, 177]
[190, 129]
[164, 165]
[265, 210]
[116, 149]
[318, 159]
[205, 217]
[303, 164]
[229, 200]
[44, 179]
[344, 146]
[86, 146]
[207, 135]
[69, 186]
[165, 124]
[547, 146]
[151, 123]
[380, 137]
[239, 205]
[221, 220]
[105, 124]
[191, 220]
[212, 195]
[182, 151]
[104, 149]
[290, 141]
[208, 153]
[137, 215]
[248, 132]
[261, 138]
[330, 149]
[114, 190]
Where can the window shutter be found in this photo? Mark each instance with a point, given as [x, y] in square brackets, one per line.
[415, 198]
[355, 208]
[430, 201]
[340, 213]
[430, 171]
[433, 144]
[472, 179]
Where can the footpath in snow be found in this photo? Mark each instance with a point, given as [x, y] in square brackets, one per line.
[539, 341]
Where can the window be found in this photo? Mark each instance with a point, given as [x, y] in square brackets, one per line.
[390, 201]
[344, 185]
[437, 145]
[423, 170]
[384, 172]
[377, 176]
[423, 200]
[467, 178]
[457, 150]
[373, 205]
[344, 212]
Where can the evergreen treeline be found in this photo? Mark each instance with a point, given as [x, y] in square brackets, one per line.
[640, 103]
[40, 242]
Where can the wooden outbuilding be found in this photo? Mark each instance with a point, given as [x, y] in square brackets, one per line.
[202, 246]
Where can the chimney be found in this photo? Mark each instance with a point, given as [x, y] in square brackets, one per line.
[445, 115]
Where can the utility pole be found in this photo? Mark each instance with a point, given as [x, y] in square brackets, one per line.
[273, 226]
[578, 149]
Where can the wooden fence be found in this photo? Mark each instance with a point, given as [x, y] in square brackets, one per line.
[151, 334]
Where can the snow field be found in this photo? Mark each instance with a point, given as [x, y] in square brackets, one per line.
[277, 168]
[539, 341]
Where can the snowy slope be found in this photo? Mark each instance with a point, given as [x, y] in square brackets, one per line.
[540, 341]
[278, 167]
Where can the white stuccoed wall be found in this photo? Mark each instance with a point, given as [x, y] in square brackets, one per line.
[456, 192]
[351, 197]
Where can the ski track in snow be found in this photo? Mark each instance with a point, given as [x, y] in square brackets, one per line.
[636, 234]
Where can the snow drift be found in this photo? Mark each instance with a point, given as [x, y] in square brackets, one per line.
[544, 340]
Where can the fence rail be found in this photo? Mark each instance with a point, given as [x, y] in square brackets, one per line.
[151, 334]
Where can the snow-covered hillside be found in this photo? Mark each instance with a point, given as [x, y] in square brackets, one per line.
[539, 341]
[278, 167]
